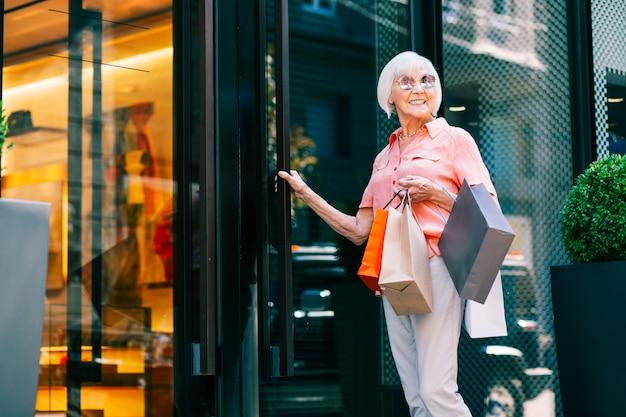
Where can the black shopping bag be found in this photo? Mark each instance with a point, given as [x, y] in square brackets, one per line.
[475, 242]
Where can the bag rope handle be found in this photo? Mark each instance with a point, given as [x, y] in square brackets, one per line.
[392, 198]
[405, 200]
[439, 208]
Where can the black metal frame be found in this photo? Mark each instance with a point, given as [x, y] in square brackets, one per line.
[79, 371]
[283, 127]
[218, 79]
[195, 334]
[428, 41]
[581, 85]
[74, 175]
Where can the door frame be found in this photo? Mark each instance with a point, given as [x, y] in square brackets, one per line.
[218, 86]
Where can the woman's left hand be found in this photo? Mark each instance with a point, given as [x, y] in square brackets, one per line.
[423, 189]
[419, 188]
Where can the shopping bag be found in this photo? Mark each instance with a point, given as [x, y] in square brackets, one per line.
[475, 242]
[369, 271]
[405, 269]
[486, 320]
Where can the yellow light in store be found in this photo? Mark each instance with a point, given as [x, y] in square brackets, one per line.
[616, 99]
[457, 108]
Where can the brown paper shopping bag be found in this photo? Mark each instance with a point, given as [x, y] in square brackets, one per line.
[405, 269]
[369, 271]
[475, 241]
[488, 319]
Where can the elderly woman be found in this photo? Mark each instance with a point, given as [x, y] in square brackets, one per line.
[428, 159]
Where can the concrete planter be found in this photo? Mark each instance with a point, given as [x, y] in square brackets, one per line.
[24, 236]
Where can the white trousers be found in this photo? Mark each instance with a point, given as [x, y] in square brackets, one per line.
[424, 348]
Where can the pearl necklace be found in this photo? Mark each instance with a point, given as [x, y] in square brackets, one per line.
[409, 135]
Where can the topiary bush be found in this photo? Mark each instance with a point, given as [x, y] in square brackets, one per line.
[593, 220]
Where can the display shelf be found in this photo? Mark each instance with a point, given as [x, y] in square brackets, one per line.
[36, 135]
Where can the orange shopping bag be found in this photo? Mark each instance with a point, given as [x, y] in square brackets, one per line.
[370, 264]
[369, 270]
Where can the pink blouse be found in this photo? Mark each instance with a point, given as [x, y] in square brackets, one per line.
[442, 153]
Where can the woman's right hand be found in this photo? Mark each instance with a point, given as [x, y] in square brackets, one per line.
[355, 228]
[295, 181]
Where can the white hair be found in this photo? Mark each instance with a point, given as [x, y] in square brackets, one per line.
[402, 63]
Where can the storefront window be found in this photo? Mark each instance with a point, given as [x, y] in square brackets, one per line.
[87, 89]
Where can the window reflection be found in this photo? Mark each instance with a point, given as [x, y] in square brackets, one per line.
[122, 312]
[616, 111]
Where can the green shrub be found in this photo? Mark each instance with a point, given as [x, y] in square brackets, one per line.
[593, 220]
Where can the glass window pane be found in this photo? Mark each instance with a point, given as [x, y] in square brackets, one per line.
[337, 50]
[88, 94]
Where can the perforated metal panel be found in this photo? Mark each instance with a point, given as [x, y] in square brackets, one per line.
[506, 63]
[506, 66]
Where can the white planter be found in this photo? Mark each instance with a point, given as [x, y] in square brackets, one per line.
[24, 237]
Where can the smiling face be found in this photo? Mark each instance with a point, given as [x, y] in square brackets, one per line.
[413, 66]
[414, 106]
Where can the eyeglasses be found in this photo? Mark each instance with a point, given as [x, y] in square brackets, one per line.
[408, 83]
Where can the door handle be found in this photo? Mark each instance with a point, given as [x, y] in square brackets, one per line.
[206, 205]
[285, 282]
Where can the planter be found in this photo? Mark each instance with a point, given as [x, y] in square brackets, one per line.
[24, 235]
[589, 322]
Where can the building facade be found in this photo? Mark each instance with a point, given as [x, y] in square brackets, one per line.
[184, 280]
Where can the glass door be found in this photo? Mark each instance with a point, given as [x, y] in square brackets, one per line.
[87, 90]
[323, 59]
